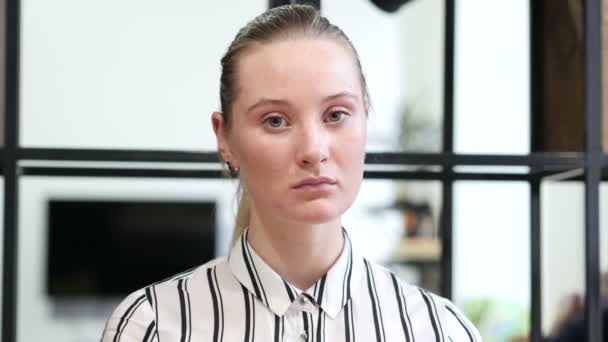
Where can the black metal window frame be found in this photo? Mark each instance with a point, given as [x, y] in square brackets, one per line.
[591, 162]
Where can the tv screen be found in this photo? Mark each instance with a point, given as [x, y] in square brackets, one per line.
[111, 248]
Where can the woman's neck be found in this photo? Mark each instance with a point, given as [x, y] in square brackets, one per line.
[300, 253]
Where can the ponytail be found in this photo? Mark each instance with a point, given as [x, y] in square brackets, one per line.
[243, 214]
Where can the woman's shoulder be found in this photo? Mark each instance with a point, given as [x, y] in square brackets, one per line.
[413, 298]
[187, 274]
[137, 314]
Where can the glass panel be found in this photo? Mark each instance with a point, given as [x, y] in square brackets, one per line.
[65, 301]
[563, 235]
[491, 256]
[116, 74]
[402, 58]
[491, 85]
[405, 220]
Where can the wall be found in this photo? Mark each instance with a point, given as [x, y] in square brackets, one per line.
[491, 116]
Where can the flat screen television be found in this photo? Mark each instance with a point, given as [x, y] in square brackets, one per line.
[111, 248]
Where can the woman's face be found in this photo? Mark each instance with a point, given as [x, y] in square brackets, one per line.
[299, 114]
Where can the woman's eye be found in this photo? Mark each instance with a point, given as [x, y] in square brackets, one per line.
[274, 121]
[335, 116]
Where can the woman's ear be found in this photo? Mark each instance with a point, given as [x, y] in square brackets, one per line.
[221, 133]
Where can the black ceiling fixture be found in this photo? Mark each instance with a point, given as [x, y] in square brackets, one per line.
[389, 5]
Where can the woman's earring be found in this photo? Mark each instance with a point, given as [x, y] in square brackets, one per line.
[234, 172]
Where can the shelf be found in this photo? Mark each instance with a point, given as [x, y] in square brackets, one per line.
[422, 166]
[417, 250]
[170, 170]
[536, 160]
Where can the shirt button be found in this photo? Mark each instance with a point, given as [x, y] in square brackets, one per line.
[304, 336]
[303, 300]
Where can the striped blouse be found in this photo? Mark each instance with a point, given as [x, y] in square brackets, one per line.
[240, 298]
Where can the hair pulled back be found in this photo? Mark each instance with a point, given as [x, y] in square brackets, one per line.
[279, 23]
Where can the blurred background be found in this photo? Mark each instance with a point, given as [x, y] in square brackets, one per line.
[144, 75]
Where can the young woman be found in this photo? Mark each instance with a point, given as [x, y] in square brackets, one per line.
[293, 128]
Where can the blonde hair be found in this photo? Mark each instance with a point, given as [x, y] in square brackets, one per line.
[283, 22]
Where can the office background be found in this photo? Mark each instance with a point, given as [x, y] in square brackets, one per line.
[144, 75]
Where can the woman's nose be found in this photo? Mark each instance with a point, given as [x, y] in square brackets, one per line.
[312, 147]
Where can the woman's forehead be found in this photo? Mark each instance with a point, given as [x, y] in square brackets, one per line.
[297, 67]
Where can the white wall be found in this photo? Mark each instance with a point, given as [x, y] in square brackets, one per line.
[124, 74]
[491, 115]
[491, 88]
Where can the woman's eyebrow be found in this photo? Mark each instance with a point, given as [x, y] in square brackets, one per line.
[339, 95]
[267, 101]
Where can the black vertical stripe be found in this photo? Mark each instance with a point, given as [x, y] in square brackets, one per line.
[247, 314]
[289, 291]
[347, 280]
[282, 327]
[255, 270]
[436, 315]
[311, 334]
[351, 317]
[249, 269]
[431, 315]
[376, 296]
[407, 316]
[128, 314]
[252, 318]
[347, 325]
[466, 328]
[219, 291]
[321, 289]
[189, 310]
[277, 328]
[148, 332]
[305, 319]
[216, 314]
[149, 295]
[320, 326]
[375, 308]
[402, 311]
[344, 283]
[182, 308]
[155, 308]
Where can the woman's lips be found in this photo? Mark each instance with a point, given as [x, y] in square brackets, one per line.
[315, 187]
[315, 184]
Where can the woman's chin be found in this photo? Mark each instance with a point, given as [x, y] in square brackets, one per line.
[317, 215]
